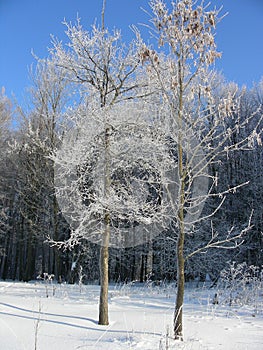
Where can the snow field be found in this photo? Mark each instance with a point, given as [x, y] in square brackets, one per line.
[140, 318]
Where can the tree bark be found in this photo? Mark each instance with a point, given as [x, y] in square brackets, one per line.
[178, 314]
[104, 275]
[104, 252]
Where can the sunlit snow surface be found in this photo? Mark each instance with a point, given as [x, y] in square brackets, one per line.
[140, 318]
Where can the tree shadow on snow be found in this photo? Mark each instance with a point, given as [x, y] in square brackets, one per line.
[38, 316]
[40, 313]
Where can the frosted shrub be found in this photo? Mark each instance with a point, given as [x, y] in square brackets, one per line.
[241, 284]
[48, 279]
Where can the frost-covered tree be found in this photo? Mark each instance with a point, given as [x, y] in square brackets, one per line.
[245, 165]
[202, 127]
[5, 180]
[110, 177]
[114, 147]
[36, 139]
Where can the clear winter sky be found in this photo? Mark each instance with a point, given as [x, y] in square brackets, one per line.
[26, 25]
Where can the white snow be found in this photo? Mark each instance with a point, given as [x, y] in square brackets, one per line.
[140, 318]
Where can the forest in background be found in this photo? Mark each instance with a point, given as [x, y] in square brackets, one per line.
[30, 213]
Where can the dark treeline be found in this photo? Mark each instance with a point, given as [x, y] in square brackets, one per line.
[29, 213]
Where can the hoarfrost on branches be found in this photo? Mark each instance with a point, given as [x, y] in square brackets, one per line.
[135, 165]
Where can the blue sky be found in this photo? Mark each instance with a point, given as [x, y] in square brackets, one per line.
[26, 25]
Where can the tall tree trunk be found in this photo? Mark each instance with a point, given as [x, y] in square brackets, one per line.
[30, 258]
[104, 252]
[104, 276]
[178, 314]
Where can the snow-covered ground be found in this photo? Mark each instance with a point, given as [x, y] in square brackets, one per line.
[140, 318]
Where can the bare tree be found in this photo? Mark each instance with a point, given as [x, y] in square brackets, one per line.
[5, 180]
[37, 137]
[102, 71]
[122, 177]
[202, 126]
